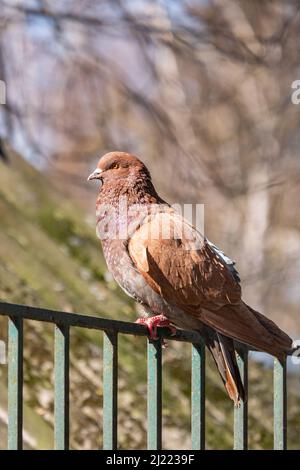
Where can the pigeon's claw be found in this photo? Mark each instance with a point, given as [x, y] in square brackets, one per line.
[153, 322]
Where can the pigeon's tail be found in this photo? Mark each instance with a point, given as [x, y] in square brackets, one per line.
[244, 324]
[283, 343]
[222, 350]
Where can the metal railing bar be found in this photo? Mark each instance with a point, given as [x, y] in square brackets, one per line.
[241, 412]
[198, 397]
[61, 386]
[110, 390]
[154, 395]
[280, 405]
[15, 383]
[86, 321]
[63, 321]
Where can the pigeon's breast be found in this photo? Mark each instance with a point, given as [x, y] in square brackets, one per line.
[127, 276]
[133, 283]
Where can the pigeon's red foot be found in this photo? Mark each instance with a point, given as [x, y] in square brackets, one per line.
[153, 322]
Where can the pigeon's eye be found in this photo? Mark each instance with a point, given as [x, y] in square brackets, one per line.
[114, 166]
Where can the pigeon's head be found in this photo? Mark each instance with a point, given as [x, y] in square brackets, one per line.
[119, 165]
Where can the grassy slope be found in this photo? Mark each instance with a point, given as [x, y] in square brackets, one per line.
[49, 256]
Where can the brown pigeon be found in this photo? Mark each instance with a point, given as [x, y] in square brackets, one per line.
[177, 275]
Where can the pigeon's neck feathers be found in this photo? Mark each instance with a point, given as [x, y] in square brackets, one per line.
[138, 189]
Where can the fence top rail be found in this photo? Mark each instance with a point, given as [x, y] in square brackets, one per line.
[99, 323]
[87, 321]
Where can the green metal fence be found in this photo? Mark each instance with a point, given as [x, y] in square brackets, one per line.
[111, 329]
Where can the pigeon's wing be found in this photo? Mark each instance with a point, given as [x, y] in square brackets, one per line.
[181, 264]
[192, 274]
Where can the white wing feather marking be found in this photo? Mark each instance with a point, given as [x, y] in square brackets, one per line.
[229, 262]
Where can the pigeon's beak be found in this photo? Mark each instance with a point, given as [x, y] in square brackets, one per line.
[95, 175]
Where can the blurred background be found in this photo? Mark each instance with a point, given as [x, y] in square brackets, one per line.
[201, 91]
